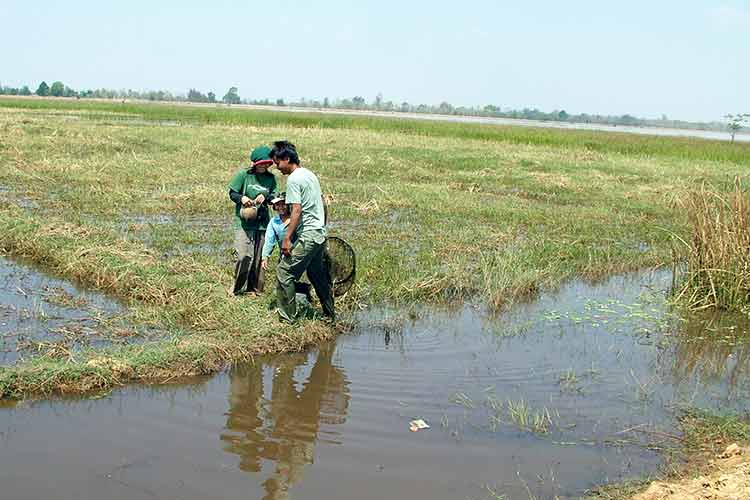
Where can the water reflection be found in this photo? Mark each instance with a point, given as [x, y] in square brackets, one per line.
[611, 364]
[282, 429]
[713, 349]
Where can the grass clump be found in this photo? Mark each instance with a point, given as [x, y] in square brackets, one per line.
[538, 421]
[718, 260]
[518, 413]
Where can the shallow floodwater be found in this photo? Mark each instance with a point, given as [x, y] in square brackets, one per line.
[660, 131]
[575, 389]
[40, 313]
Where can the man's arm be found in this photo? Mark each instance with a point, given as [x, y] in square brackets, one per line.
[286, 245]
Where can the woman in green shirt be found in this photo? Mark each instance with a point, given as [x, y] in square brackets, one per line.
[251, 188]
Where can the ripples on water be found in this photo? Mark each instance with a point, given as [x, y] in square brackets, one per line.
[608, 364]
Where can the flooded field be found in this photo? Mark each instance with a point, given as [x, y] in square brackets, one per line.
[43, 315]
[642, 130]
[570, 391]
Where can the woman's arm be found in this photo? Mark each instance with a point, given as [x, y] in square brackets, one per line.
[235, 196]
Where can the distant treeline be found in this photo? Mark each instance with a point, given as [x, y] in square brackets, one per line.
[58, 89]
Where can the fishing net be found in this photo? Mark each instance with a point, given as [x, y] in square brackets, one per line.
[341, 264]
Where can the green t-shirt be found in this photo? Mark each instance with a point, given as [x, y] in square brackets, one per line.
[251, 185]
[303, 187]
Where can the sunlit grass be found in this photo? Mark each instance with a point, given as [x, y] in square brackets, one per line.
[718, 251]
[436, 212]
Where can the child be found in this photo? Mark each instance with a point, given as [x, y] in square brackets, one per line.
[275, 234]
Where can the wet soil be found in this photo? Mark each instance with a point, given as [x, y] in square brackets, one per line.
[12, 197]
[573, 390]
[44, 315]
[727, 477]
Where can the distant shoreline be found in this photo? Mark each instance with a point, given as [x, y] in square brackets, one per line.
[522, 122]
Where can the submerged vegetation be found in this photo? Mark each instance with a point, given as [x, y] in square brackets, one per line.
[131, 199]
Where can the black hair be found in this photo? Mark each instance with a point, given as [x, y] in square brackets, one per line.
[284, 150]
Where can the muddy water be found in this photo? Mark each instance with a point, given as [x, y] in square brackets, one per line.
[39, 313]
[603, 365]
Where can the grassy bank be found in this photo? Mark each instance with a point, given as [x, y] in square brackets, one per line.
[131, 199]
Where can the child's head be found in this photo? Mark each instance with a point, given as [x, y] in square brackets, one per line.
[279, 204]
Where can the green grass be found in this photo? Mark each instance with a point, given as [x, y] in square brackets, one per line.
[538, 421]
[107, 194]
[630, 144]
[712, 432]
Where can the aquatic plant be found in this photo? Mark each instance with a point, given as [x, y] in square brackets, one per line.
[525, 417]
[569, 381]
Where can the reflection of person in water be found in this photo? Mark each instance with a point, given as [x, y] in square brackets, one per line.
[283, 430]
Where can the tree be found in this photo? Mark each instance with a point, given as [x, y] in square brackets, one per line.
[326, 103]
[358, 102]
[231, 97]
[195, 96]
[57, 89]
[562, 115]
[628, 120]
[379, 100]
[43, 89]
[735, 122]
[25, 90]
[445, 108]
[211, 97]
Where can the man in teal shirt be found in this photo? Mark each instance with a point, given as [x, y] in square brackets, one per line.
[307, 225]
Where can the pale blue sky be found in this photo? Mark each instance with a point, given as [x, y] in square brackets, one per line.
[684, 58]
